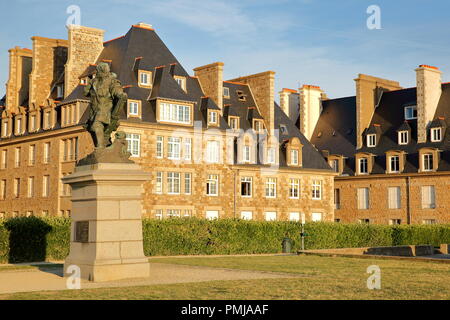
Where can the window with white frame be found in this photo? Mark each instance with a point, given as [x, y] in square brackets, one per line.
[436, 134]
[334, 164]
[394, 197]
[226, 92]
[32, 155]
[246, 154]
[294, 216]
[19, 126]
[18, 152]
[187, 183]
[212, 185]
[246, 186]
[233, 123]
[394, 164]
[410, 112]
[4, 160]
[187, 149]
[427, 159]
[294, 188]
[30, 187]
[181, 82]
[317, 190]
[45, 186]
[173, 213]
[174, 148]
[212, 117]
[175, 113]
[133, 108]
[270, 216]
[395, 222]
[159, 147]
[271, 155]
[363, 198]
[246, 215]
[429, 221]
[258, 125]
[33, 123]
[159, 183]
[371, 140]
[403, 137]
[145, 79]
[212, 215]
[159, 214]
[134, 144]
[363, 166]
[213, 151]
[316, 216]
[46, 152]
[294, 157]
[428, 197]
[5, 128]
[60, 91]
[271, 188]
[173, 183]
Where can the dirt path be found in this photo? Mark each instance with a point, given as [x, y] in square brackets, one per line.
[51, 279]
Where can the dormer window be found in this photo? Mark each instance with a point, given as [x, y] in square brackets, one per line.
[226, 92]
[258, 125]
[233, 122]
[213, 117]
[19, 126]
[334, 164]
[410, 112]
[294, 157]
[60, 91]
[134, 108]
[428, 162]
[175, 113]
[246, 154]
[5, 128]
[394, 164]
[363, 166]
[371, 140]
[181, 82]
[403, 137]
[436, 134]
[145, 79]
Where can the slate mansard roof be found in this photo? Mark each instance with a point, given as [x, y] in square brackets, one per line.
[142, 49]
[335, 131]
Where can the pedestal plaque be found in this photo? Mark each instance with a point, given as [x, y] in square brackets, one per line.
[106, 238]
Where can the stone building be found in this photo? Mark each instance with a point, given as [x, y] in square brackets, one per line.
[389, 145]
[213, 148]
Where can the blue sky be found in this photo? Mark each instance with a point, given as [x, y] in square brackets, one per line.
[320, 42]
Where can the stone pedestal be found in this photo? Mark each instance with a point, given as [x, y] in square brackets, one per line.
[106, 233]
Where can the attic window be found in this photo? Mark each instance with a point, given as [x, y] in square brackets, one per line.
[371, 140]
[212, 117]
[226, 92]
[403, 137]
[59, 91]
[241, 95]
[145, 78]
[283, 129]
[410, 112]
[436, 134]
[181, 82]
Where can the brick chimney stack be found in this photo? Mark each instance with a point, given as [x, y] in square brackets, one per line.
[429, 90]
[262, 86]
[211, 80]
[85, 46]
[310, 108]
[20, 64]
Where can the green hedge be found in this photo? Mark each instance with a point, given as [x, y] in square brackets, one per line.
[36, 239]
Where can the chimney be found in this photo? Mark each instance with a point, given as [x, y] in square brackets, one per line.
[17, 87]
[85, 46]
[211, 81]
[368, 94]
[310, 109]
[429, 90]
[49, 58]
[262, 87]
[289, 100]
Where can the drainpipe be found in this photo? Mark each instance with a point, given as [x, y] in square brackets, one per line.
[235, 183]
[408, 200]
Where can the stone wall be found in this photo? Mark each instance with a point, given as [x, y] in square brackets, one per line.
[20, 63]
[211, 81]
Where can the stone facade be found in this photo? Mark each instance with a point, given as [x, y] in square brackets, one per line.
[411, 207]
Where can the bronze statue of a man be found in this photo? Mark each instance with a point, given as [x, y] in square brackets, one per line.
[107, 99]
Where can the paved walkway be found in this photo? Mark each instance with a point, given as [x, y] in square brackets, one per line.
[50, 279]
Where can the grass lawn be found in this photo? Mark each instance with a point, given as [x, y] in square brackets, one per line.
[307, 277]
